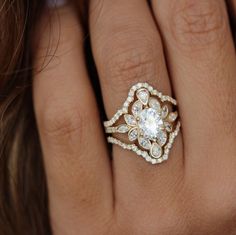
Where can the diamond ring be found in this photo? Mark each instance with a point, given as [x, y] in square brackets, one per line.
[146, 124]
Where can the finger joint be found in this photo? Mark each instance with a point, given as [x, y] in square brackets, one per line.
[198, 24]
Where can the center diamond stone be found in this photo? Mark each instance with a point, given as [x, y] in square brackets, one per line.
[150, 123]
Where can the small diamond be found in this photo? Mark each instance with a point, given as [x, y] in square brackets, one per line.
[161, 137]
[137, 107]
[154, 92]
[156, 150]
[145, 143]
[124, 109]
[165, 157]
[139, 85]
[150, 88]
[168, 126]
[143, 95]
[126, 104]
[167, 151]
[145, 154]
[130, 120]
[169, 145]
[123, 128]
[153, 161]
[133, 134]
[172, 116]
[139, 152]
[164, 111]
[134, 147]
[154, 103]
[148, 158]
[130, 99]
[131, 93]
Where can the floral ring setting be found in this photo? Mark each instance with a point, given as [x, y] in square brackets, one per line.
[146, 124]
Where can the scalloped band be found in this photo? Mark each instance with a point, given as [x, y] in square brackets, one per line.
[148, 120]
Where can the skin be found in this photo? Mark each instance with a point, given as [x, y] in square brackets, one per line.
[185, 48]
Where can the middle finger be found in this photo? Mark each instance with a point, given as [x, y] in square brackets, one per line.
[128, 49]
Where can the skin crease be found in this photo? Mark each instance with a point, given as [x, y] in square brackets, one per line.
[185, 49]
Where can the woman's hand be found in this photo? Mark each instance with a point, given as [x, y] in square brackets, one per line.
[184, 48]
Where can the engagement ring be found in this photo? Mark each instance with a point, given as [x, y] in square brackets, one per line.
[147, 123]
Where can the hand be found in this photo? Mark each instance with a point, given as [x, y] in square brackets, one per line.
[184, 49]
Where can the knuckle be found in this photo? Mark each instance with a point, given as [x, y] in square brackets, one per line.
[129, 63]
[62, 121]
[198, 23]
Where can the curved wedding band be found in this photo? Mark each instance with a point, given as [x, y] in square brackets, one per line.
[148, 120]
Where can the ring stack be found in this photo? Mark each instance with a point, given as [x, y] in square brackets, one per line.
[148, 120]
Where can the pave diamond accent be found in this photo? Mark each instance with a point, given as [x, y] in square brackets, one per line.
[149, 123]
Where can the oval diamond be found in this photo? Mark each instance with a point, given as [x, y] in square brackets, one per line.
[150, 123]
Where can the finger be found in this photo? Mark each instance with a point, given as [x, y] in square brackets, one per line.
[76, 161]
[201, 60]
[127, 49]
